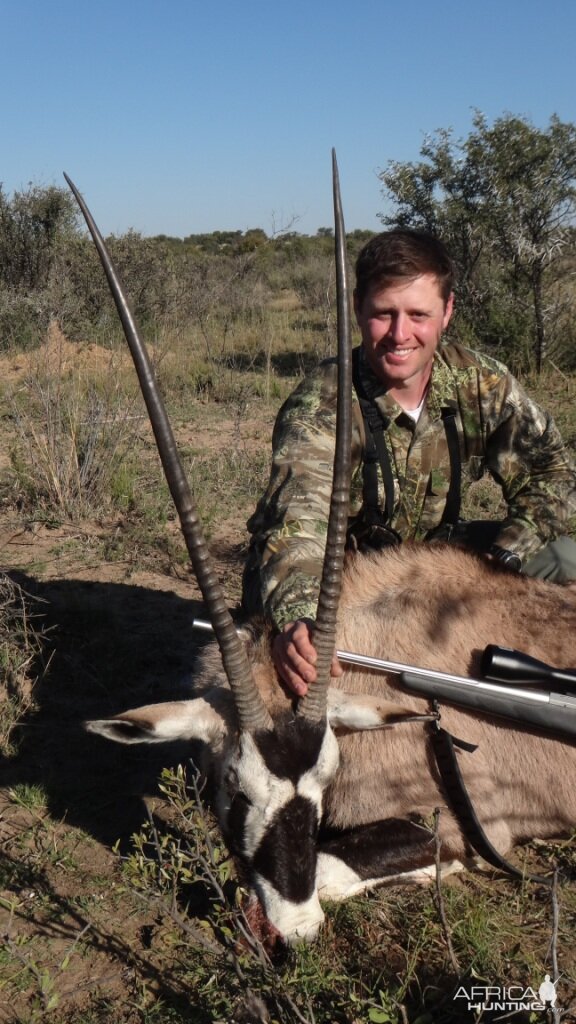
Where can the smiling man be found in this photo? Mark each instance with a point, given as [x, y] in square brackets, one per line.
[401, 328]
[403, 303]
[430, 418]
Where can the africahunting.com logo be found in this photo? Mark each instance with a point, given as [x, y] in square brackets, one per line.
[508, 998]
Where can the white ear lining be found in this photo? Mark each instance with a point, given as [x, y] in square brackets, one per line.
[198, 719]
[360, 712]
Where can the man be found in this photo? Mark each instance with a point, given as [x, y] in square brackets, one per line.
[430, 417]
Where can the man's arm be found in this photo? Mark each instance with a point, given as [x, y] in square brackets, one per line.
[282, 578]
[528, 458]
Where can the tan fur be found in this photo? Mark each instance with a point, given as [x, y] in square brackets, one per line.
[437, 608]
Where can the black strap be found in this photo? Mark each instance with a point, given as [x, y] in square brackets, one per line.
[387, 475]
[375, 449]
[458, 798]
[451, 512]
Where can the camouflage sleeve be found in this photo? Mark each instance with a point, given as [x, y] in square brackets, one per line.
[289, 525]
[526, 455]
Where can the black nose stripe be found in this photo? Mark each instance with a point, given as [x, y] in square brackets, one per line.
[286, 856]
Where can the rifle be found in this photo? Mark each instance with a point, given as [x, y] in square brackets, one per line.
[543, 709]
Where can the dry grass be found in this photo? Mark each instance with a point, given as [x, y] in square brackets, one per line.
[21, 644]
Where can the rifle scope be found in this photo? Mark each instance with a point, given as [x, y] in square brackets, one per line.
[505, 665]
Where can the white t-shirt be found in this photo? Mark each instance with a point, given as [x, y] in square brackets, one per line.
[415, 413]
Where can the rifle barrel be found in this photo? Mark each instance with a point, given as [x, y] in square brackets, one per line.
[539, 708]
[365, 661]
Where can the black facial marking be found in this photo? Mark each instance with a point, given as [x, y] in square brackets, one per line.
[286, 856]
[292, 748]
[381, 849]
[235, 823]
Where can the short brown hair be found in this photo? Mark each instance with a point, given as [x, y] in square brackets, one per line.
[402, 253]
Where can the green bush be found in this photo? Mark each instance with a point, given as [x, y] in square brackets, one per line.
[24, 319]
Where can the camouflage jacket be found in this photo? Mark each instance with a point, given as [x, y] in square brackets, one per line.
[500, 430]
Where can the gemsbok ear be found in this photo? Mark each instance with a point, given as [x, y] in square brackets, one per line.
[168, 722]
[359, 712]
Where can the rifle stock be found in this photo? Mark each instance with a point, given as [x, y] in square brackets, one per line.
[538, 709]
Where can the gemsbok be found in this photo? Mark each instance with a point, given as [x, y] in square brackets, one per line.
[336, 794]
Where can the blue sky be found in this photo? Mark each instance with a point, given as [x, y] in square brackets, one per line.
[180, 117]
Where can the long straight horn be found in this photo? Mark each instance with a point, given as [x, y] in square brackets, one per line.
[252, 711]
[313, 705]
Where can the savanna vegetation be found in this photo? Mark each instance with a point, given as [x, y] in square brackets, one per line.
[118, 900]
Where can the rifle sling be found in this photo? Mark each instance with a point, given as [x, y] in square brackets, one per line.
[451, 512]
[443, 744]
[375, 450]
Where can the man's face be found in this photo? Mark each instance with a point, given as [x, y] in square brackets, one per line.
[401, 326]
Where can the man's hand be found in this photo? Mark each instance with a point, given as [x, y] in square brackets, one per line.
[294, 656]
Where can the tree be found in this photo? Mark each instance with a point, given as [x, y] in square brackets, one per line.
[504, 200]
[31, 224]
[34, 225]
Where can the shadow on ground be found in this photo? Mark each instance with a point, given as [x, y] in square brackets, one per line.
[108, 647]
